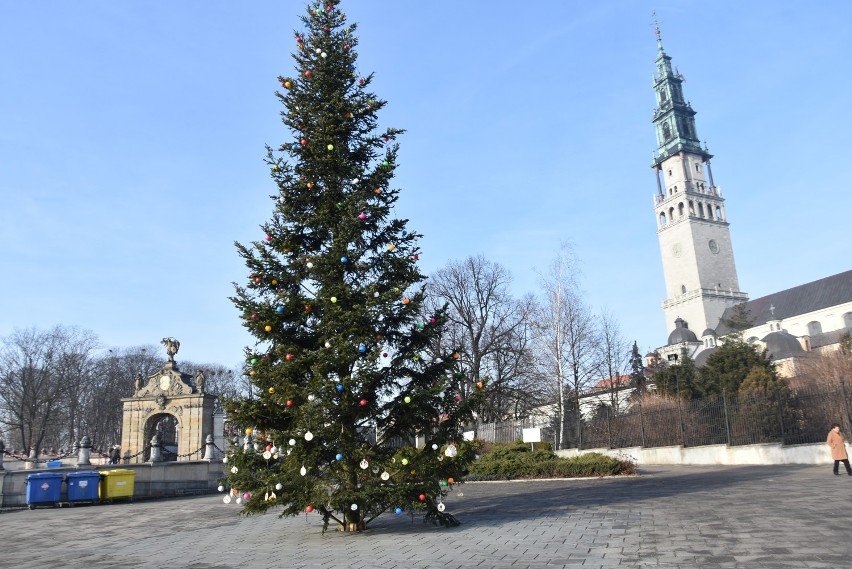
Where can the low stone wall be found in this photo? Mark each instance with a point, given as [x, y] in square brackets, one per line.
[152, 480]
[768, 453]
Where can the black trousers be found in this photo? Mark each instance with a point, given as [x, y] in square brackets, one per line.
[845, 462]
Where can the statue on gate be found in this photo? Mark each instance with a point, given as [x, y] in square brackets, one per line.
[172, 347]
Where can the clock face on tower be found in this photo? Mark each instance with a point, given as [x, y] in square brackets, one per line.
[714, 247]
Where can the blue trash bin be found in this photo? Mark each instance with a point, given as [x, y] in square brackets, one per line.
[44, 488]
[82, 486]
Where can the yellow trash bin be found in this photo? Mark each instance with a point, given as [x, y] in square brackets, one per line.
[116, 484]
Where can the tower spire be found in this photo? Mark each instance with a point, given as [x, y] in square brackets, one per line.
[657, 31]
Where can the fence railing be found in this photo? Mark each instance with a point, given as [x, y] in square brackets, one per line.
[799, 416]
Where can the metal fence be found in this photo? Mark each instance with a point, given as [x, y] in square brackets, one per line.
[799, 416]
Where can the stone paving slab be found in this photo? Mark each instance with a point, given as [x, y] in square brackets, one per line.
[667, 517]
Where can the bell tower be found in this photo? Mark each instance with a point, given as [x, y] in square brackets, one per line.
[692, 227]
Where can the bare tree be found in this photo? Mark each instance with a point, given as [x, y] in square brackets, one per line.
[491, 330]
[613, 358]
[38, 370]
[566, 338]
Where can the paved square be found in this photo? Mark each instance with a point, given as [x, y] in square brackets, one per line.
[684, 517]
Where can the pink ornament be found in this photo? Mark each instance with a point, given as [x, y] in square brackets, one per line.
[269, 237]
[457, 397]
[308, 73]
[432, 320]
[362, 215]
[246, 496]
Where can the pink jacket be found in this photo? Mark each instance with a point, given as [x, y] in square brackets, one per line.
[838, 447]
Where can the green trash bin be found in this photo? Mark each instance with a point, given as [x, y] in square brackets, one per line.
[116, 484]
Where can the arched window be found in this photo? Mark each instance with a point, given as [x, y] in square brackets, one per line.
[691, 209]
[701, 209]
[683, 289]
[662, 218]
[814, 328]
[718, 213]
[667, 131]
[709, 211]
[671, 214]
[847, 320]
[680, 209]
[752, 340]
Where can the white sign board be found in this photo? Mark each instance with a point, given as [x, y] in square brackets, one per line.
[532, 435]
[468, 435]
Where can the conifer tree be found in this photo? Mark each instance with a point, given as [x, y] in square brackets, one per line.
[343, 383]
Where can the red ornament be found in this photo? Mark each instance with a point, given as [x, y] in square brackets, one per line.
[298, 39]
[432, 320]
[326, 29]
[254, 316]
[303, 142]
[258, 280]
[384, 354]
[289, 357]
[268, 447]
[457, 397]
[422, 497]
[386, 139]
[269, 237]
[345, 48]
[416, 257]
[307, 308]
[360, 81]
[450, 480]
[308, 73]
[363, 403]
[289, 403]
[309, 509]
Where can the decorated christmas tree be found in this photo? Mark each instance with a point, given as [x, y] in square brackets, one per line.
[350, 414]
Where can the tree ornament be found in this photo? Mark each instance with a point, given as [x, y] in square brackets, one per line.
[307, 308]
[422, 497]
[309, 508]
[441, 507]
[362, 216]
[398, 511]
[353, 507]
[451, 451]
[364, 402]
[309, 436]
[289, 357]
[407, 399]
[344, 259]
[271, 391]
[333, 299]
[287, 84]
[268, 328]
[269, 237]
[303, 471]
[308, 73]
[258, 280]
[364, 464]
[279, 309]
[292, 442]
[362, 348]
[338, 457]
[376, 294]
[406, 300]
[340, 387]
[328, 344]
[303, 142]
[266, 455]
[385, 475]
[289, 403]
[451, 480]
[310, 185]
[220, 488]
[404, 461]
[279, 486]
[330, 147]
[434, 446]
[227, 499]
[309, 265]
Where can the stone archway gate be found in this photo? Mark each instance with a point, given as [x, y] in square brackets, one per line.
[167, 392]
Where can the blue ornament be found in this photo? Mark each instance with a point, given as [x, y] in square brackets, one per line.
[404, 233]
[338, 456]
[340, 387]
[398, 511]
[362, 348]
[344, 259]
[280, 309]
[295, 146]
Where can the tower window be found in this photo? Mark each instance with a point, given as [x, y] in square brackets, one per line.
[697, 167]
[662, 218]
[701, 210]
[670, 173]
[691, 209]
[683, 289]
[680, 209]
[675, 189]
[718, 213]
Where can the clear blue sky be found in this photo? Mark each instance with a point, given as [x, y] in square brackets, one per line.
[132, 136]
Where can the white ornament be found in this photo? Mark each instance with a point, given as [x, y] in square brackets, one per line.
[354, 507]
[441, 507]
[310, 265]
[274, 450]
[279, 486]
[328, 344]
[227, 499]
[289, 450]
[385, 475]
[225, 460]
[434, 446]
[221, 488]
[267, 455]
[239, 500]
[376, 294]
[303, 471]
[318, 50]
[311, 397]
[451, 451]
[364, 464]
[292, 442]
[323, 54]
[309, 436]
[234, 470]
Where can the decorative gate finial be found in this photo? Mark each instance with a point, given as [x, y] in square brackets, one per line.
[172, 347]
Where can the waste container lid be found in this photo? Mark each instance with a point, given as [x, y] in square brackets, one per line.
[118, 471]
[83, 474]
[44, 475]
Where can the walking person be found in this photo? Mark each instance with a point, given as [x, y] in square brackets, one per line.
[838, 449]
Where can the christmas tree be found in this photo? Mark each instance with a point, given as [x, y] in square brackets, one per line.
[344, 383]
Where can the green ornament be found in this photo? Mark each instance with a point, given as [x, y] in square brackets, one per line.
[254, 361]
